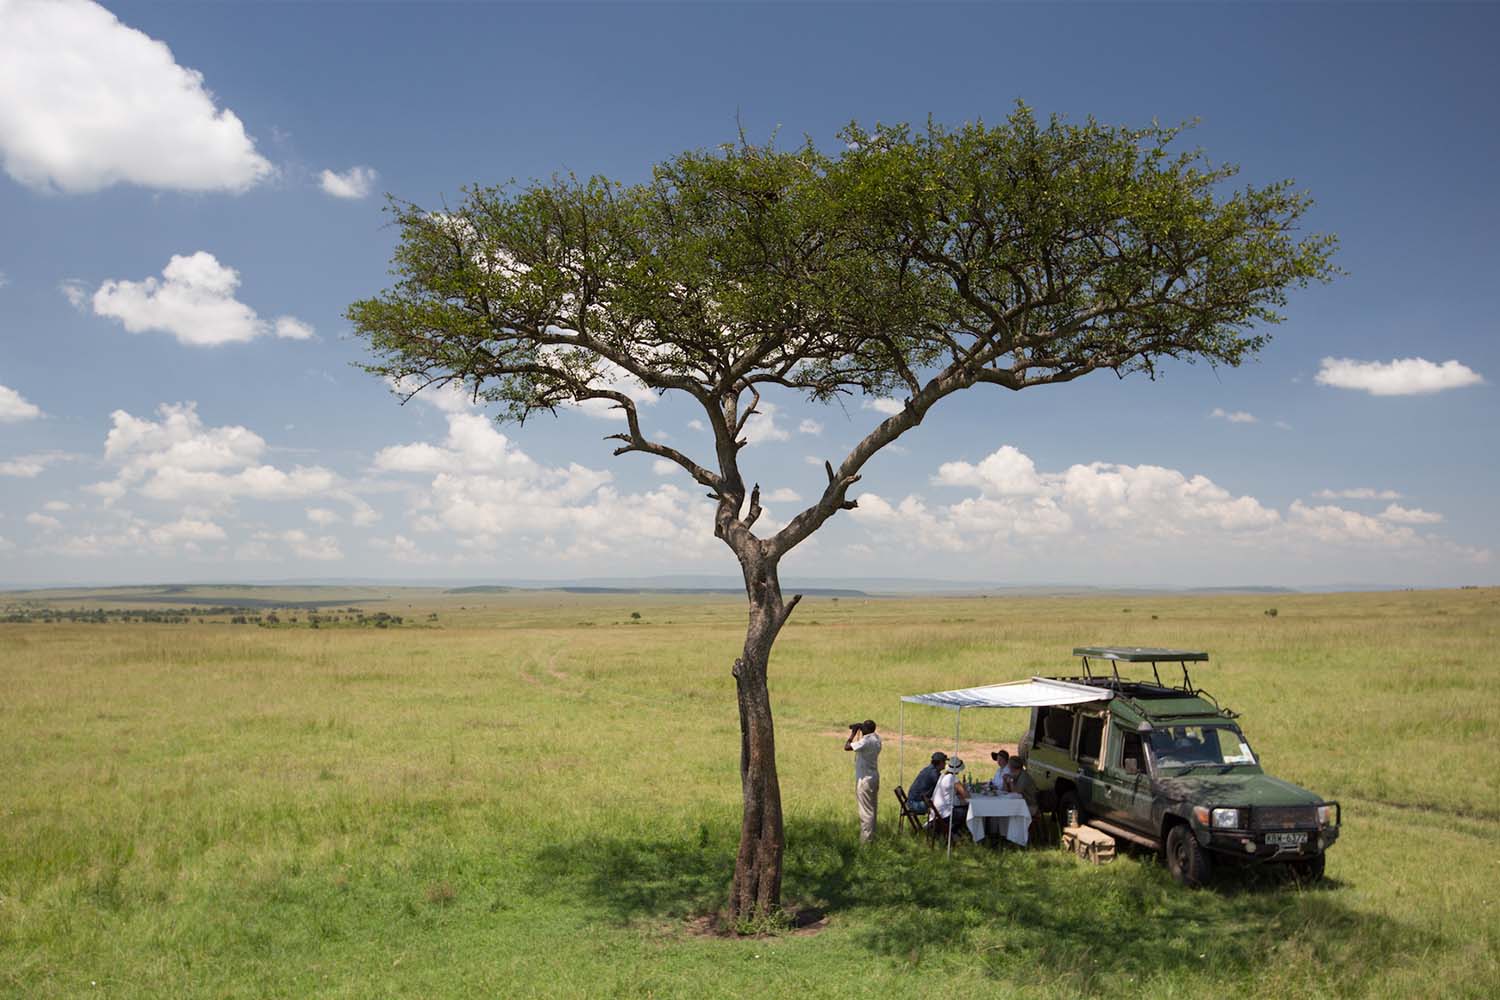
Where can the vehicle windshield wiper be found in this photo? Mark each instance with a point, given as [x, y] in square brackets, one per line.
[1189, 766]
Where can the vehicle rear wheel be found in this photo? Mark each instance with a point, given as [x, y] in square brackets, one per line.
[1310, 870]
[1186, 860]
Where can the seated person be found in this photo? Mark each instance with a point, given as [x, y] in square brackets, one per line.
[950, 800]
[1018, 781]
[999, 757]
[919, 796]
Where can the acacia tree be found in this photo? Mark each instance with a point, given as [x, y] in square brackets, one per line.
[915, 263]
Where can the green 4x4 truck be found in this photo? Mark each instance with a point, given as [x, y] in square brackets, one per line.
[1167, 768]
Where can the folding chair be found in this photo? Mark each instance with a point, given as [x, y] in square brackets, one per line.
[912, 818]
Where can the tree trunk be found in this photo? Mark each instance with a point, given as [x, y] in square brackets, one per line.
[757, 870]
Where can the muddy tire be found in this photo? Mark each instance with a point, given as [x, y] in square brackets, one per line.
[1309, 871]
[1186, 859]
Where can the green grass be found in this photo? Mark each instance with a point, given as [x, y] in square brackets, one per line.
[536, 797]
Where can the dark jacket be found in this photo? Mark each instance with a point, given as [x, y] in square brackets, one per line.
[1021, 783]
[923, 784]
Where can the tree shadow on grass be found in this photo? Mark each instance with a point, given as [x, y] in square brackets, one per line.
[1032, 916]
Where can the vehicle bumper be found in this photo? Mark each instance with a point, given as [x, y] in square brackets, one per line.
[1258, 846]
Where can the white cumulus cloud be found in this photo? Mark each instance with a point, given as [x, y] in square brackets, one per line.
[483, 489]
[87, 102]
[1019, 504]
[1397, 514]
[176, 457]
[356, 182]
[401, 549]
[292, 328]
[809, 426]
[1233, 416]
[1358, 493]
[14, 407]
[186, 529]
[762, 426]
[889, 407]
[76, 291]
[1104, 512]
[324, 548]
[1401, 377]
[31, 466]
[322, 516]
[1340, 526]
[193, 300]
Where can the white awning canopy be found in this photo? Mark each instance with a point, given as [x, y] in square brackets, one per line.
[1015, 694]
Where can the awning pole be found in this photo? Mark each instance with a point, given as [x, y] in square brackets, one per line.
[901, 754]
[958, 715]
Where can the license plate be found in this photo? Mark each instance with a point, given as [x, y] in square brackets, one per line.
[1286, 839]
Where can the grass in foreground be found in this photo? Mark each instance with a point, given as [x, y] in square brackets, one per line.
[532, 799]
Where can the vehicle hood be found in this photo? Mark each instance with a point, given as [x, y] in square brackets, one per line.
[1235, 789]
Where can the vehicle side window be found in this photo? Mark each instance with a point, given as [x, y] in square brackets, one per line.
[1055, 727]
[1132, 759]
[1090, 737]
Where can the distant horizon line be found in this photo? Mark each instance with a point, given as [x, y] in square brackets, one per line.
[729, 584]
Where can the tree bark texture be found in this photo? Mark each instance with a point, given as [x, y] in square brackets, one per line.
[756, 892]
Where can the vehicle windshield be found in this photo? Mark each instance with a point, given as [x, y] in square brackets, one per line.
[1200, 746]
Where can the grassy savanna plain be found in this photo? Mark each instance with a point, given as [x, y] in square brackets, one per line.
[535, 794]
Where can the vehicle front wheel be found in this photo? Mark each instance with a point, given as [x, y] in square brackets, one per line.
[1309, 871]
[1186, 859]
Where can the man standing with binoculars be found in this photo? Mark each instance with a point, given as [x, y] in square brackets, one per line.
[866, 748]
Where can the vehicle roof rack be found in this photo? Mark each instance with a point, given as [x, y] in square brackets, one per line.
[1141, 654]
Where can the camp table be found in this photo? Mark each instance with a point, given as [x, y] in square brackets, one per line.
[1006, 805]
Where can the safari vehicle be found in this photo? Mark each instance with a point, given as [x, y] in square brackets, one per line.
[1166, 767]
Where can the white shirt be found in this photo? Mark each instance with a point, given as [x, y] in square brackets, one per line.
[943, 796]
[999, 775]
[866, 750]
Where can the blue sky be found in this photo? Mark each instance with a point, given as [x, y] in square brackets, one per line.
[177, 396]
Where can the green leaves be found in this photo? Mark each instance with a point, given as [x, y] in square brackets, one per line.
[1020, 253]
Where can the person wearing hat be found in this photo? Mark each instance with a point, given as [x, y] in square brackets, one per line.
[865, 745]
[950, 800]
[920, 795]
[1000, 757]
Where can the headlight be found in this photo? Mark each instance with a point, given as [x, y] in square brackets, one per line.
[1227, 818]
[1325, 815]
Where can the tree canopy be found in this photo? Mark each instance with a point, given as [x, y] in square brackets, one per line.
[915, 262]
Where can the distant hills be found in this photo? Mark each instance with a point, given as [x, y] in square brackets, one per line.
[680, 584]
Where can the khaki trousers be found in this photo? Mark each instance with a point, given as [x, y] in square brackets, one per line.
[867, 794]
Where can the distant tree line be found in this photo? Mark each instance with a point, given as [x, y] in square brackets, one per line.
[234, 615]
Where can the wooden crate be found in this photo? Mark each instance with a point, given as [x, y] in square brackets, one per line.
[1090, 844]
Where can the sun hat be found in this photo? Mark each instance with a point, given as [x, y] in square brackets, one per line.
[995, 754]
[955, 764]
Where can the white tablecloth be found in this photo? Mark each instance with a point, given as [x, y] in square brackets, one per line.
[1008, 806]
